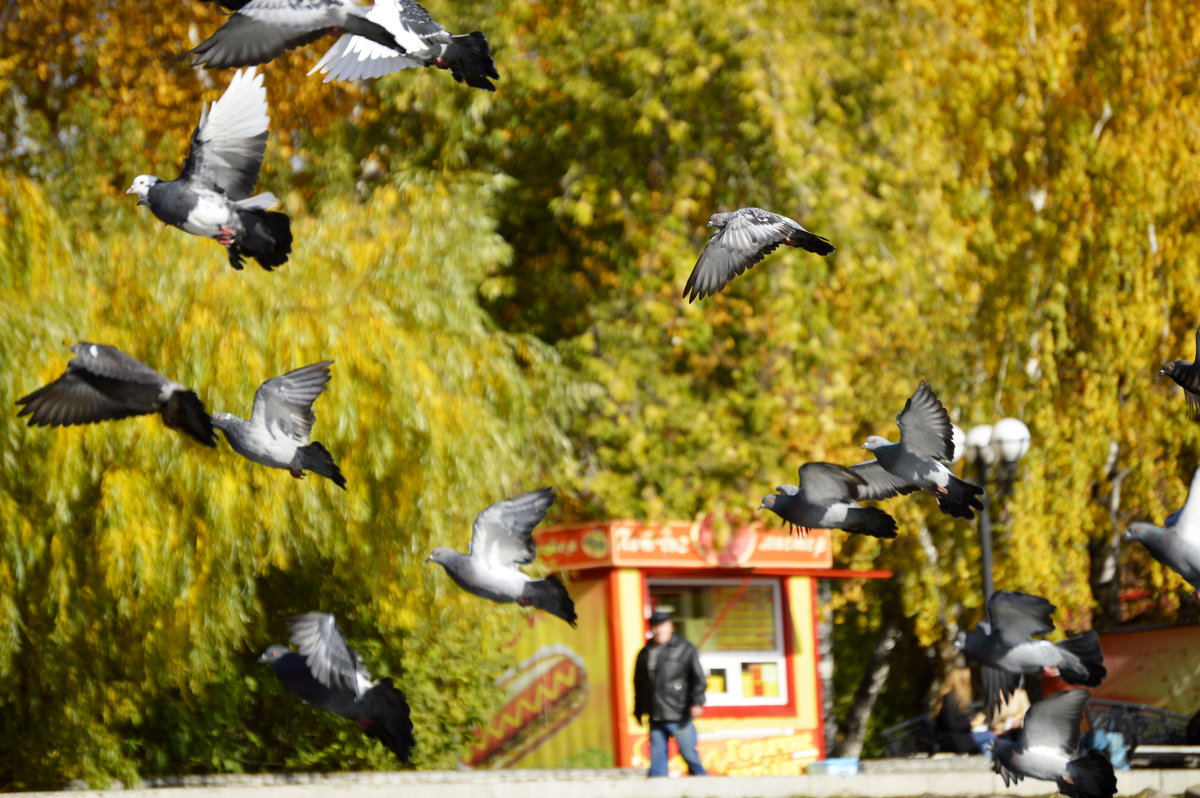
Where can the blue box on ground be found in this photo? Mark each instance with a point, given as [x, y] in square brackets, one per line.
[846, 766]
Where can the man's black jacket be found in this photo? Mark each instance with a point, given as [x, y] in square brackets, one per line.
[678, 682]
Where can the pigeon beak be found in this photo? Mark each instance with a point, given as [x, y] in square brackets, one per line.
[1162, 372]
[262, 657]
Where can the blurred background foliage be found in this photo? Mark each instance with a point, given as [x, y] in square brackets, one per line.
[497, 278]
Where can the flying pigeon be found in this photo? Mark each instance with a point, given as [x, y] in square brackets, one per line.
[211, 196]
[1002, 646]
[262, 30]
[425, 43]
[826, 499]
[742, 238]
[501, 541]
[919, 460]
[1187, 376]
[1046, 747]
[1176, 546]
[102, 382]
[328, 674]
[277, 433]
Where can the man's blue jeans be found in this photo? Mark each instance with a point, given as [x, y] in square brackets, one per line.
[684, 732]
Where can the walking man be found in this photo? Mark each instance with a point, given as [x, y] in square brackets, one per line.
[668, 685]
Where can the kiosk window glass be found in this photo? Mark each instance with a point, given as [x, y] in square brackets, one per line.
[738, 629]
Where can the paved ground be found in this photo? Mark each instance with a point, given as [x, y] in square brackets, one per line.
[958, 776]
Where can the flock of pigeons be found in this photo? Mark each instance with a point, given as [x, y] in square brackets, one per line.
[212, 198]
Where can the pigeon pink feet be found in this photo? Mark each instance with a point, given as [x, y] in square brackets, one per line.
[225, 239]
[1050, 671]
[296, 472]
[442, 63]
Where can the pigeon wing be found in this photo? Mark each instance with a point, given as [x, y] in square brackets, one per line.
[357, 57]
[503, 533]
[1187, 519]
[925, 426]
[228, 143]
[283, 404]
[330, 659]
[878, 483]
[748, 235]
[1054, 722]
[823, 482]
[101, 383]
[1016, 617]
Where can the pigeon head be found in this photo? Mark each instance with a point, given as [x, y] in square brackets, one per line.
[274, 653]
[225, 420]
[1173, 368]
[718, 219]
[141, 186]
[768, 502]
[1141, 530]
[441, 556]
[876, 442]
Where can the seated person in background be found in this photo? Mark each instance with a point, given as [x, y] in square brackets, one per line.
[982, 734]
[951, 723]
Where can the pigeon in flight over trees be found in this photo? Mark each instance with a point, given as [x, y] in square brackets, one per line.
[825, 498]
[1177, 545]
[919, 459]
[102, 382]
[501, 541]
[211, 196]
[1187, 376]
[1002, 646]
[1046, 747]
[262, 30]
[742, 238]
[328, 674]
[425, 43]
[277, 433]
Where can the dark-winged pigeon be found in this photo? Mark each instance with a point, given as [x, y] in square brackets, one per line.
[919, 460]
[742, 238]
[282, 419]
[501, 542]
[1001, 644]
[330, 675]
[1177, 544]
[825, 498]
[425, 42]
[211, 196]
[1046, 747]
[262, 30]
[102, 382]
[1187, 376]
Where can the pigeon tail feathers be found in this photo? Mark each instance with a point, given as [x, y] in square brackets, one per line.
[390, 721]
[961, 499]
[317, 459]
[185, 412]
[1087, 648]
[810, 242]
[470, 60]
[551, 595]
[267, 239]
[870, 521]
[1091, 776]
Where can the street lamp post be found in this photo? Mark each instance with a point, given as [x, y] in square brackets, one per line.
[1005, 442]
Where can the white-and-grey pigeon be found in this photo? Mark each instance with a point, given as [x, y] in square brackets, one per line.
[826, 498]
[211, 196]
[1002, 645]
[742, 238]
[425, 43]
[330, 675]
[277, 433]
[262, 30]
[1187, 376]
[501, 542]
[102, 383]
[1177, 545]
[1046, 747]
[919, 460]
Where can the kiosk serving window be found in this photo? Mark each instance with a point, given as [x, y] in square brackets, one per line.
[738, 628]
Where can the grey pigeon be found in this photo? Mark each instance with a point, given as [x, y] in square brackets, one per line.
[277, 433]
[825, 498]
[211, 196]
[1176, 546]
[742, 238]
[1046, 747]
[330, 675]
[501, 542]
[919, 459]
[262, 30]
[425, 43]
[1002, 646]
[102, 382]
[1187, 376]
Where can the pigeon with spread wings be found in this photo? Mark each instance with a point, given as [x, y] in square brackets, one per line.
[742, 238]
[102, 383]
[1186, 375]
[501, 542]
[211, 196]
[1177, 543]
[277, 433]
[825, 497]
[330, 675]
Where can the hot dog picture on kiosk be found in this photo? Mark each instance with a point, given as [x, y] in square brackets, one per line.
[745, 595]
